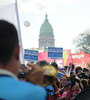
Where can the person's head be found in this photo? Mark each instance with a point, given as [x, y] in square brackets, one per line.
[9, 47]
[73, 66]
[64, 80]
[79, 72]
[42, 63]
[83, 76]
[55, 65]
[65, 68]
[85, 70]
[78, 69]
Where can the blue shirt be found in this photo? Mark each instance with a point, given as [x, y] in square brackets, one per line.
[12, 89]
[60, 74]
[50, 88]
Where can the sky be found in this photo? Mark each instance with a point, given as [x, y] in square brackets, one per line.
[67, 17]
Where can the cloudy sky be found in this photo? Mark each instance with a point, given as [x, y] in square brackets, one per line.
[67, 17]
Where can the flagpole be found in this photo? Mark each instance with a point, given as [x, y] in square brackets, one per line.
[19, 34]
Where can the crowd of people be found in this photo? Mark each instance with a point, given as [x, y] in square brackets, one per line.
[40, 81]
[71, 81]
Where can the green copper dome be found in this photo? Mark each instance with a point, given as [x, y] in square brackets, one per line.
[46, 28]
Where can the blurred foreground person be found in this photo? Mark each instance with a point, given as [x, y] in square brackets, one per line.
[10, 87]
[50, 78]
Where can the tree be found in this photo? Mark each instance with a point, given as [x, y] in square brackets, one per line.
[82, 41]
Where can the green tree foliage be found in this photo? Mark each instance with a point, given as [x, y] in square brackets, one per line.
[88, 65]
[82, 41]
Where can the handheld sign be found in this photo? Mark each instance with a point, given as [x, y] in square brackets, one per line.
[30, 55]
[55, 53]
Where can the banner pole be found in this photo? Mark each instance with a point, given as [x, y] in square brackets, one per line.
[19, 34]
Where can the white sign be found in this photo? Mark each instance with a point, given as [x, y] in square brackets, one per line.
[78, 56]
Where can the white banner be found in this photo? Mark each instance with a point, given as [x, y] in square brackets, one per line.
[9, 12]
[3, 2]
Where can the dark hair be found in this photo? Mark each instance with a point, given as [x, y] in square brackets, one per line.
[77, 69]
[42, 63]
[73, 66]
[65, 67]
[55, 65]
[83, 75]
[8, 41]
[85, 70]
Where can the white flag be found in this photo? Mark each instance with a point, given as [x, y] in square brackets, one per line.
[3, 2]
[9, 12]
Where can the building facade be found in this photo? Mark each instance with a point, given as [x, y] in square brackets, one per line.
[46, 37]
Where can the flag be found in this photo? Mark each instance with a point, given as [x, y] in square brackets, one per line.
[9, 12]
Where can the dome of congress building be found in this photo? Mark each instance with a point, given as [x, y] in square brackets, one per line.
[46, 37]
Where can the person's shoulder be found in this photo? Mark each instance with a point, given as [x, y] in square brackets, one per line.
[21, 85]
[33, 91]
[29, 85]
[22, 90]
